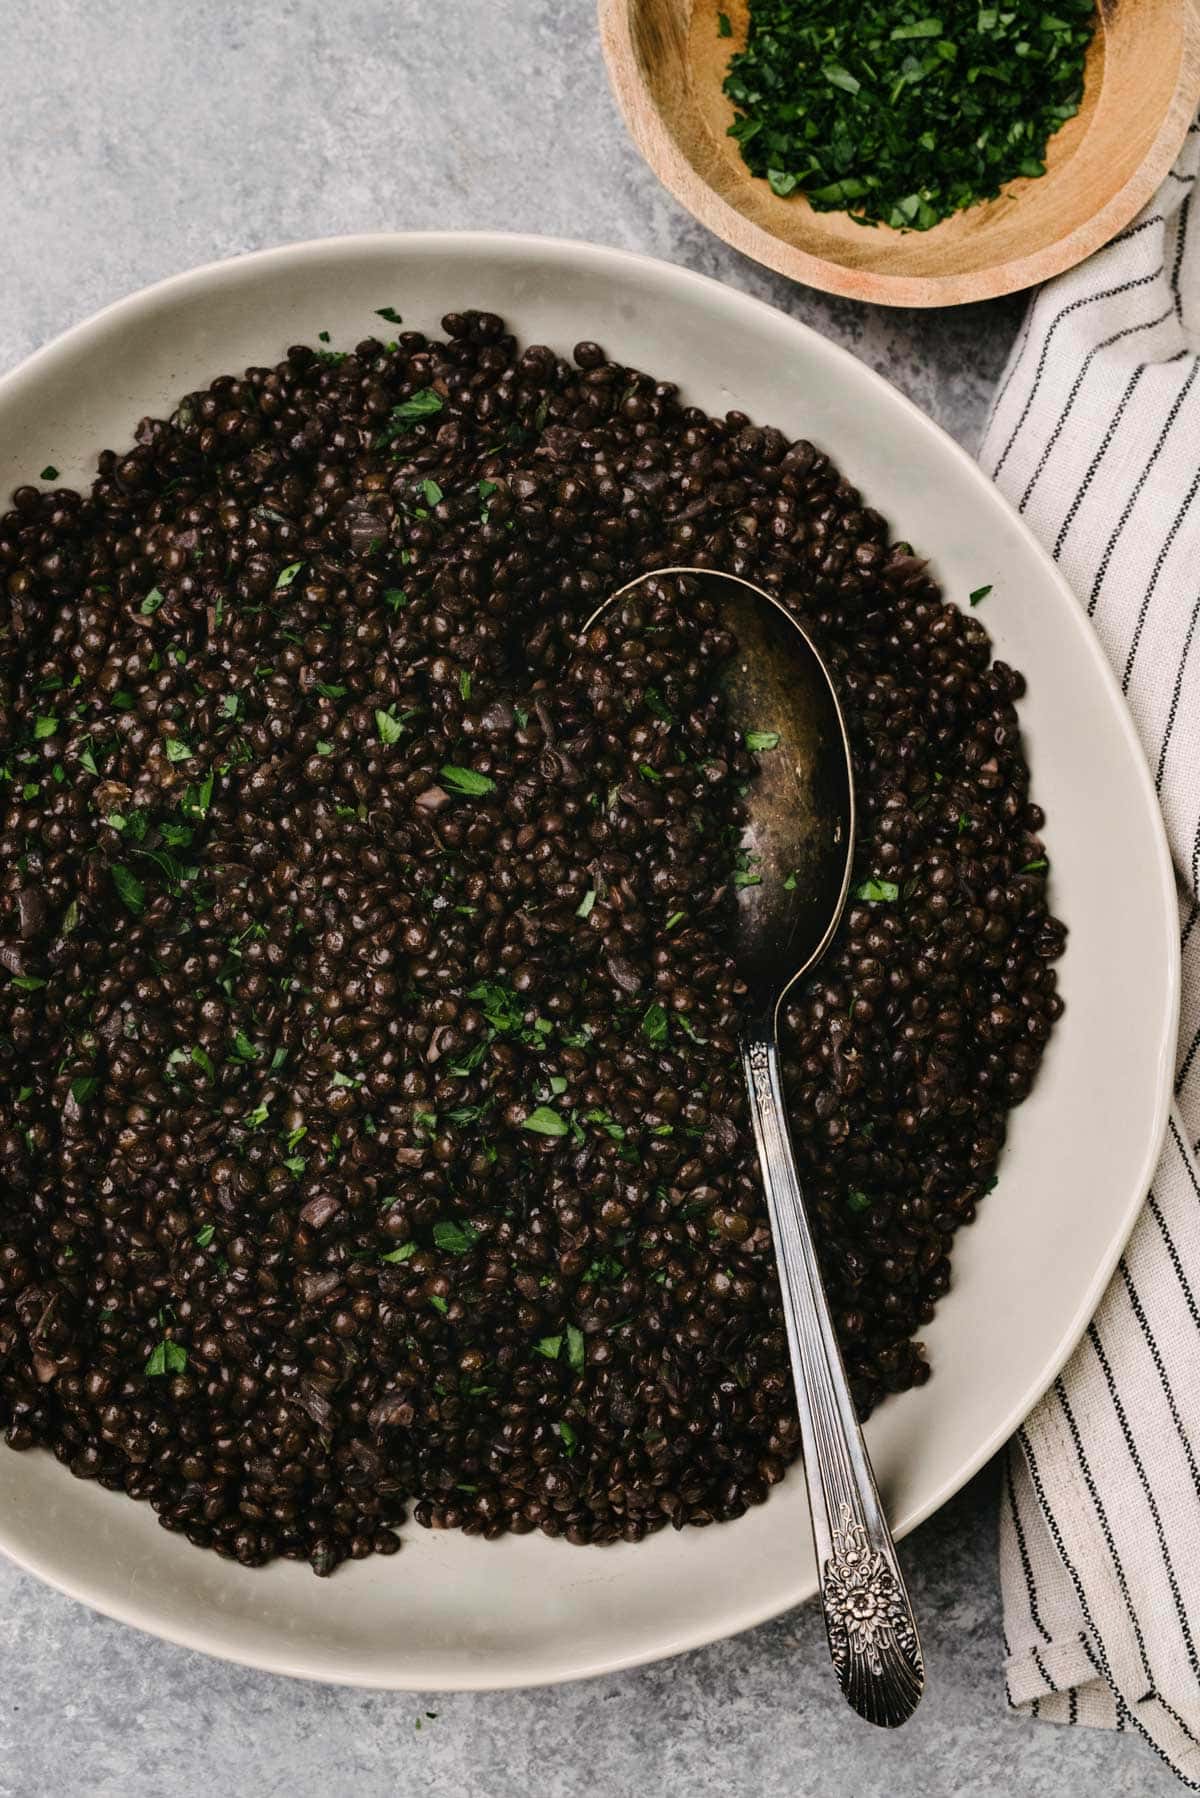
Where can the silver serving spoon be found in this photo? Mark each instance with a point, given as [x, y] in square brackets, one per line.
[801, 830]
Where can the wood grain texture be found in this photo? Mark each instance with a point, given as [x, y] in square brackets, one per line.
[667, 62]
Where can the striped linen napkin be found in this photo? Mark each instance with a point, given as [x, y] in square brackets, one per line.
[1095, 438]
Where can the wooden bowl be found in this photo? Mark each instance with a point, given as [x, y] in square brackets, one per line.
[667, 62]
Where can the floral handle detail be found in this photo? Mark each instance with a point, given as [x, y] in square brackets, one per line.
[866, 1612]
[872, 1634]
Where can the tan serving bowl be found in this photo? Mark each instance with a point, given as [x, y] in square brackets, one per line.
[666, 62]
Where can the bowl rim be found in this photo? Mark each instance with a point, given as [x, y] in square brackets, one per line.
[658, 145]
[291, 1659]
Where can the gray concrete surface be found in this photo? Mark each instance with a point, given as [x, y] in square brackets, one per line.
[142, 139]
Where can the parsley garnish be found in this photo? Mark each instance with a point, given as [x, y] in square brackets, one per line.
[607, 1123]
[130, 889]
[466, 780]
[877, 890]
[545, 1122]
[655, 1025]
[390, 728]
[403, 1253]
[455, 1238]
[903, 116]
[168, 1357]
[417, 407]
[604, 1267]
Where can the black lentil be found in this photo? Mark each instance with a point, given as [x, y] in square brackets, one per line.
[372, 1133]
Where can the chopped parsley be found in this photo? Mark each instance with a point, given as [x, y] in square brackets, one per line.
[418, 407]
[656, 1026]
[168, 1357]
[877, 891]
[455, 1238]
[466, 780]
[545, 1122]
[899, 112]
[395, 1256]
[389, 727]
[129, 888]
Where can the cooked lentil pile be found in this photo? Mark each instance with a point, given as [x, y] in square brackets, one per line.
[372, 1131]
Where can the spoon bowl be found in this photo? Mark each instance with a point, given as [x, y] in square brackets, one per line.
[797, 852]
[798, 842]
[799, 837]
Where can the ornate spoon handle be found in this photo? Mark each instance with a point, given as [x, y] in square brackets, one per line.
[872, 1633]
